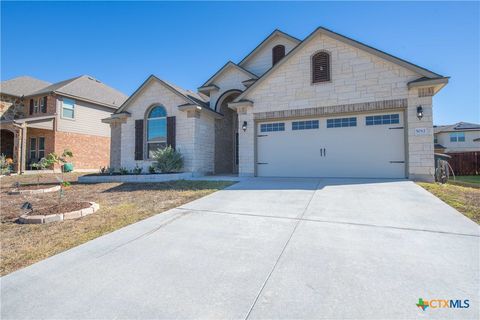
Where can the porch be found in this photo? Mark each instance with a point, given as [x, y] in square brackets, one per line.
[27, 140]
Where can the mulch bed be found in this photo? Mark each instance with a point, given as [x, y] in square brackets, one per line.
[63, 207]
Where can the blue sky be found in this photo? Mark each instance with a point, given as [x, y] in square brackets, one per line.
[121, 43]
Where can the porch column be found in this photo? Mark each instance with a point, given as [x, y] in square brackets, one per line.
[246, 137]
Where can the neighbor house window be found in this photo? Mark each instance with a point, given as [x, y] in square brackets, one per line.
[41, 147]
[269, 127]
[41, 103]
[68, 108]
[278, 52]
[33, 149]
[457, 137]
[35, 105]
[382, 119]
[321, 67]
[341, 122]
[305, 125]
[435, 139]
[156, 130]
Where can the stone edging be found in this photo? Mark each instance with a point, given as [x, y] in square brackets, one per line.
[38, 219]
[139, 178]
[35, 191]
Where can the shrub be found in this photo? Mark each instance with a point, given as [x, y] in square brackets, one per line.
[137, 169]
[151, 170]
[168, 160]
[123, 170]
[5, 164]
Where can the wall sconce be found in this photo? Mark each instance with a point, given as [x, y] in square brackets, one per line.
[244, 126]
[419, 112]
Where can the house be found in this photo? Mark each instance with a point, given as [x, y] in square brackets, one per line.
[324, 106]
[38, 118]
[457, 138]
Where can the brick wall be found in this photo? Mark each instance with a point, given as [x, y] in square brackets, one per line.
[89, 152]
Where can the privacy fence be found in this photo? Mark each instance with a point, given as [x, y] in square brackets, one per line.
[465, 163]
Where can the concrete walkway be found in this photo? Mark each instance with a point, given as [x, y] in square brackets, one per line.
[267, 248]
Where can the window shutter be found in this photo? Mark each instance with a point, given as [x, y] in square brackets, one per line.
[321, 67]
[139, 139]
[31, 106]
[171, 132]
[278, 52]
[44, 107]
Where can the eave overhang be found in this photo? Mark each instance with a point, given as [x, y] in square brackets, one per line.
[196, 108]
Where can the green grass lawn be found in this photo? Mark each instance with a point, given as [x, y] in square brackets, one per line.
[464, 199]
[468, 179]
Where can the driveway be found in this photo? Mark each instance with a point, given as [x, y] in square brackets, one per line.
[267, 248]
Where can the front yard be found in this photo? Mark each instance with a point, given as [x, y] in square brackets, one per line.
[121, 204]
[464, 199]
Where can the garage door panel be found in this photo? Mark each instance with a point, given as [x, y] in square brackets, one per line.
[375, 151]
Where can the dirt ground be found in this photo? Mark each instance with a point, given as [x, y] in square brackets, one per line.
[120, 204]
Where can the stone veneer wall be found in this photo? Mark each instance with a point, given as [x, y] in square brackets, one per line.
[7, 107]
[356, 77]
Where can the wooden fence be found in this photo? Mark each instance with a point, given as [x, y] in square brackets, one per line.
[465, 163]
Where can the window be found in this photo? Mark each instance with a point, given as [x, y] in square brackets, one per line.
[305, 125]
[457, 137]
[33, 149]
[278, 52]
[68, 108]
[42, 104]
[41, 147]
[382, 119]
[156, 130]
[435, 139]
[35, 105]
[321, 67]
[269, 127]
[341, 122]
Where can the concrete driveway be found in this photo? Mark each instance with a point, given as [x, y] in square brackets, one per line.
[267, 248]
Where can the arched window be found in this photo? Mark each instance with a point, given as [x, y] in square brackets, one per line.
[156, 130]
[278, 52]
[321, 67]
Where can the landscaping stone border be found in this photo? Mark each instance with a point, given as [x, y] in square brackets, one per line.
[38, 219]
[35, 191]
[140, 178]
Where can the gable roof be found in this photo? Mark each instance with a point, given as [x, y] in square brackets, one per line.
[460, 126]
[321, 30]
[190, 96]
[22, 86]
[227, 65]
[275, 33]
[86, 88]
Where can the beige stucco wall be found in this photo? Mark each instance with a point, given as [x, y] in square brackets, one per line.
[468, 145]
[356, 77]
[192, 134]
[261, 61]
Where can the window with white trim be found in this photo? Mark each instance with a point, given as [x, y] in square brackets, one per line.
[305, 125]
[342, 122]
[457, 136]
[41, 147]
[382, 119]
[270, 127]
[32, 150]
[68, 108]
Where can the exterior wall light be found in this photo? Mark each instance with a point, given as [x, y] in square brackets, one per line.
[244, 126]
[419, 112]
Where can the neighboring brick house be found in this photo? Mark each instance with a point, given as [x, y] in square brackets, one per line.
[325, 106]
[39, 118]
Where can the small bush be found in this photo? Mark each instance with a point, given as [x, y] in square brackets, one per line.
[151, 170]
[168, 160]
[137, 169]
[5, 164]
[123, 170]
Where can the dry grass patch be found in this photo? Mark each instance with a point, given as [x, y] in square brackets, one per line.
[464, 199]
[120, 205]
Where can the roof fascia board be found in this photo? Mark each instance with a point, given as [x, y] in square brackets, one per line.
[346, 40]
[428, 82]
[275, 32]
[222, 69]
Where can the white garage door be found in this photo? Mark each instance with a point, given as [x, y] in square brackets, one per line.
[361, 146]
